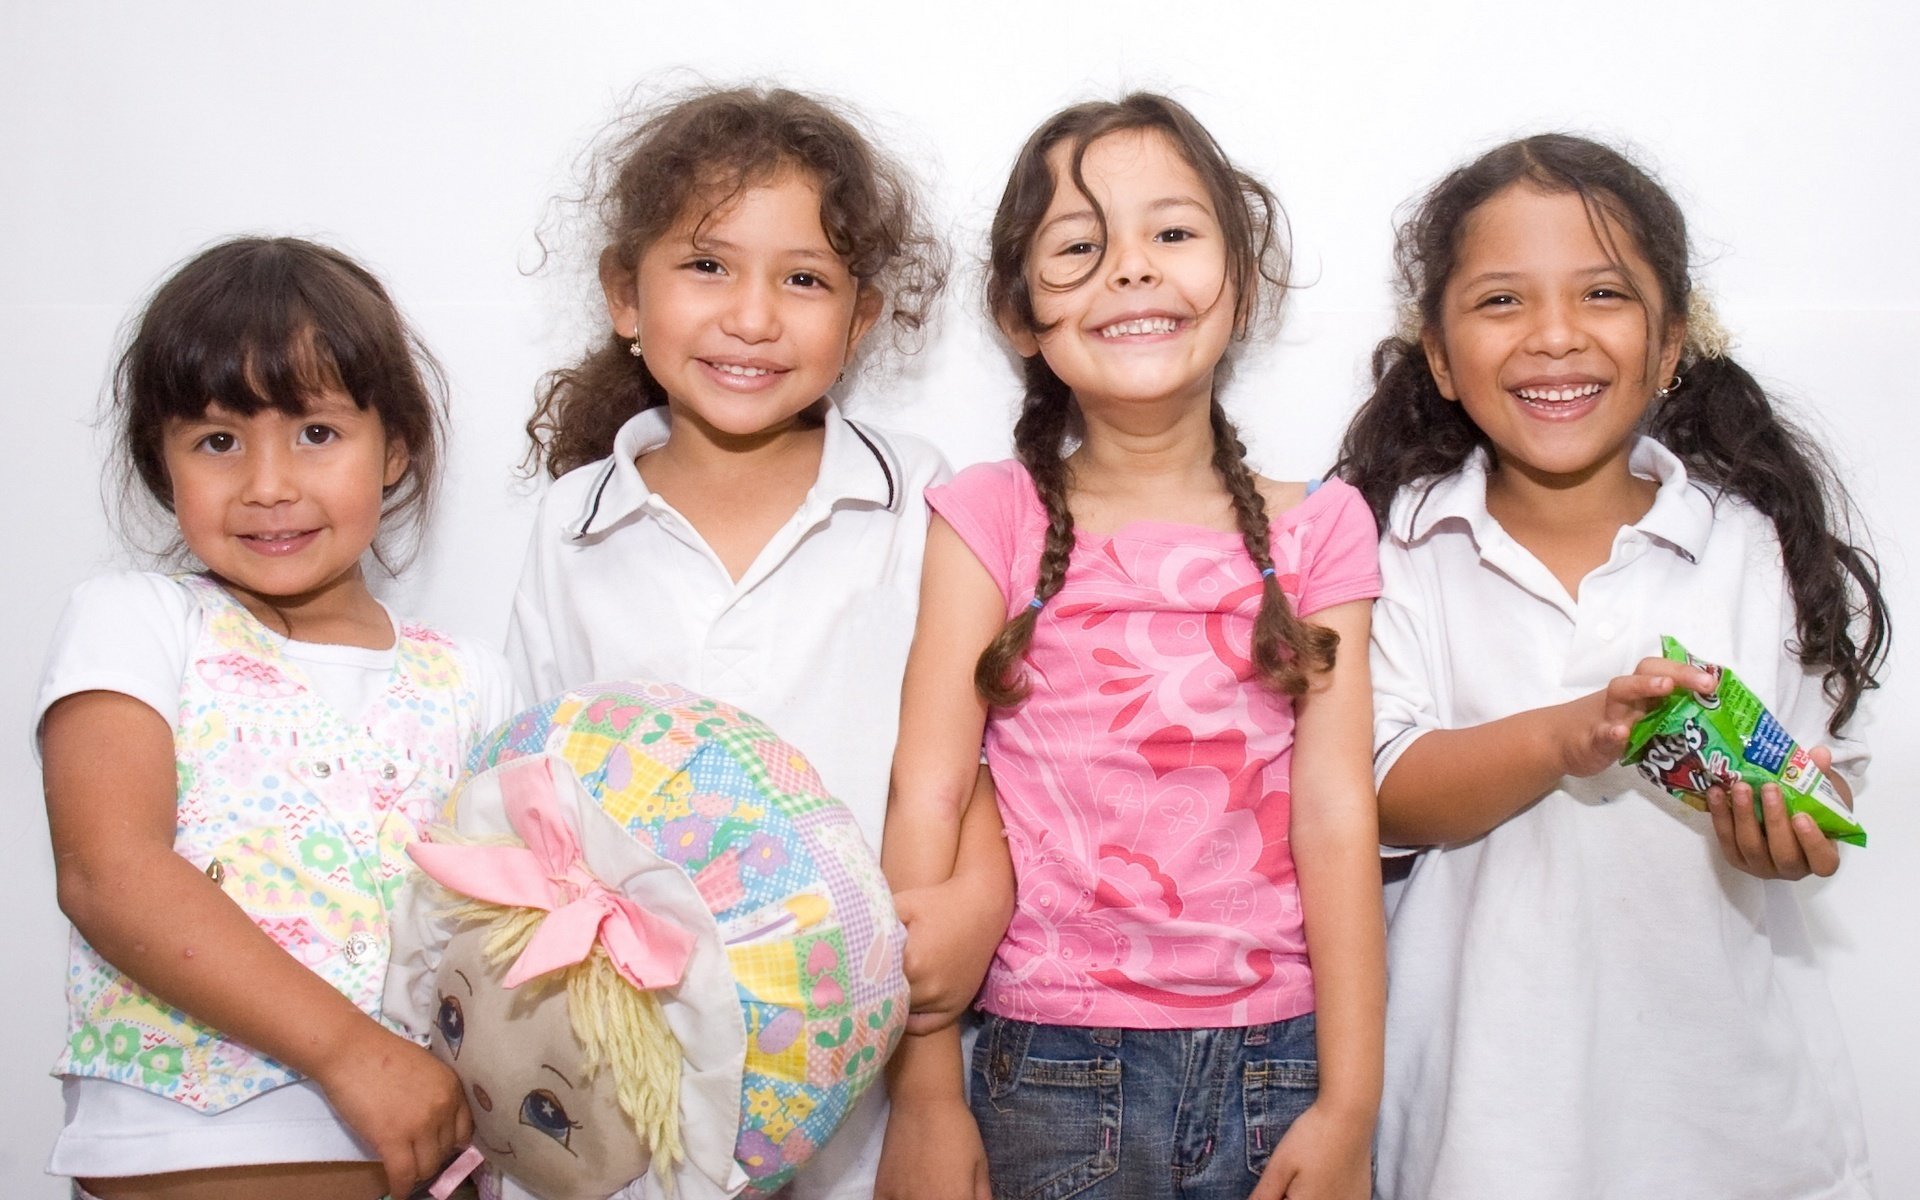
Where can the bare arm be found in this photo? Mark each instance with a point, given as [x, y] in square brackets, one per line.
[936, 765]
[1454, 785]
[953, 928]
[170, 928]
[932, 1149]
[1335, 837]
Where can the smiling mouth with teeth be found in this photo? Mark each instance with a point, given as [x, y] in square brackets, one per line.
[743, 372]
[1138, 326]
[1559, 395]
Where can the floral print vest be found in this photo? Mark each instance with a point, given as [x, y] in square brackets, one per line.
[301, 816]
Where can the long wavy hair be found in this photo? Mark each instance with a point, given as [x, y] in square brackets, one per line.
[1718, 421]
[688, 158]
[1286, 649]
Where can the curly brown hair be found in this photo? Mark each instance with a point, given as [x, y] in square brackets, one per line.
[1286, 649]
[705, 147]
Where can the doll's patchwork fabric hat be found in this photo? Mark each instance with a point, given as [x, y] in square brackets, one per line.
[662, 959]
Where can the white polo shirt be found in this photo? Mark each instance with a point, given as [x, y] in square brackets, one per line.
[813, 638]
[1588, 1001]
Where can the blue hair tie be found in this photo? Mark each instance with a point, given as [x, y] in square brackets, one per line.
[1036, 603]
[1267, 573]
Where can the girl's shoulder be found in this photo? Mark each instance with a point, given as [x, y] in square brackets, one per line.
[910, 458]
[130, 632]
[997, 492]
[481, 671]
[1328, 510]
[140, 597]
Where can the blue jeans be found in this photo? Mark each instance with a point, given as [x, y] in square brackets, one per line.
[1137, 1114]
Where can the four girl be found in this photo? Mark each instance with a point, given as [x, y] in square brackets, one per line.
[1163, 654]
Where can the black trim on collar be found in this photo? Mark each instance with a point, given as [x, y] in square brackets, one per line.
[892, 492]
[593, 508]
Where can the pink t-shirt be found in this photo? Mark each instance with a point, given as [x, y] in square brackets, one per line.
[1145, 781]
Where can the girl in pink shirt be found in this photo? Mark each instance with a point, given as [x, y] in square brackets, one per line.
[1123, 613]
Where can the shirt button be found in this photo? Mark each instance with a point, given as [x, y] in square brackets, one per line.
[387, 771]
[360, 947]
[322, 770]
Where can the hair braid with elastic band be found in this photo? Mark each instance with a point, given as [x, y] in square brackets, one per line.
[1039, 439]
[1287, 651]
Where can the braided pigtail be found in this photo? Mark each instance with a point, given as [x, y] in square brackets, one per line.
[1722, 425]
[1039, 439]
[1287, 651]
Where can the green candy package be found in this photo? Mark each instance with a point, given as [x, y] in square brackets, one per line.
[1692, 742]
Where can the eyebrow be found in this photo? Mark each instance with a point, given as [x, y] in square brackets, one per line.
[464, 979]
[1505, 276]
[556, 1071]
[807, 252]
[1157, 206]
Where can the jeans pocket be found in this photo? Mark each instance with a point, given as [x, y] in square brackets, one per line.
[1277, 1091]
[1051, 1124]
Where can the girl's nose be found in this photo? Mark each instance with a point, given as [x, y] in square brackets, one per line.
[1555, 330]
[1131, 264]
[270, 477]
[754, 315]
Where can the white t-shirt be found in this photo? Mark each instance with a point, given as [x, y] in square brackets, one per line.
[132, 632]
[812, 639]
[1588, 1001]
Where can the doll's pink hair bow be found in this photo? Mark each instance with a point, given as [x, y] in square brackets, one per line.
[550, 873]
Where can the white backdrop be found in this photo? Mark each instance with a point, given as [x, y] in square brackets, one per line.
[428, 139]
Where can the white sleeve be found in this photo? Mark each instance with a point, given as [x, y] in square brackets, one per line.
[1403, 700]
[495, 693]
[128, 632]
[531, 654]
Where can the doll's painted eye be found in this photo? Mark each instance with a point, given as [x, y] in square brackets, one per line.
[452, 1024]
[543, 1110]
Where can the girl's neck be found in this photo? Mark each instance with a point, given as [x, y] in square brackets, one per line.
[344, 613]
[736, 492]
[696, 451]
[1569, 524]
[1147, 462]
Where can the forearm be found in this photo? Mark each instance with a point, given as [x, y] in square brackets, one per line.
[172, 930]
[1454, 785]
[983, 863]
[1337, 862]
[927, 1068]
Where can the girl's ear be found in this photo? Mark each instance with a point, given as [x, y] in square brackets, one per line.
[866, 310]
[1672, 346]
[1023, 340]
[398, 459]
[1436, 351]
[621, 284]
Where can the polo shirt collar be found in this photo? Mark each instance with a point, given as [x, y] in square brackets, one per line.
[855, 467]
[1681, 516]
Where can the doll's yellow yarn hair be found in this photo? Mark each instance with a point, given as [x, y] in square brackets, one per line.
[621, 1028]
